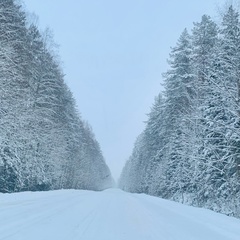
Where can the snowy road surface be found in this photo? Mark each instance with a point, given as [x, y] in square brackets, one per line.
[107, 215]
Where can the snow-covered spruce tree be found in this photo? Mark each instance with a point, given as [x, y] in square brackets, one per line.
[178, 107]
[204, 42]
[139, 172]
[155, 141]
[42, 141]
[161, 145]
[222, 118]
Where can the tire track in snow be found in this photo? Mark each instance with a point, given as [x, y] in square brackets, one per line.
[107, 215]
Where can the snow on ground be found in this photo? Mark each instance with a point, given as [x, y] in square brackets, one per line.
[108, 215]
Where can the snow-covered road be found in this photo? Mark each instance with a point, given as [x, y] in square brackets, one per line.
[108, 215]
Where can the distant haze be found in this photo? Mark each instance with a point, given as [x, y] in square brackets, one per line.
[113, 54]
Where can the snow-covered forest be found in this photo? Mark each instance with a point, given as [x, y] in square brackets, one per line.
[44, 143]
[190, 148]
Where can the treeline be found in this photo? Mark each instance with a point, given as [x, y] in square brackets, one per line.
[190, 148]
[44, 143]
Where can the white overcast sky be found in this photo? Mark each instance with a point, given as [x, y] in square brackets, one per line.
[113, 53]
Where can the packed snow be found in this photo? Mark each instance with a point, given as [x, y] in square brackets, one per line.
[107, 215]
